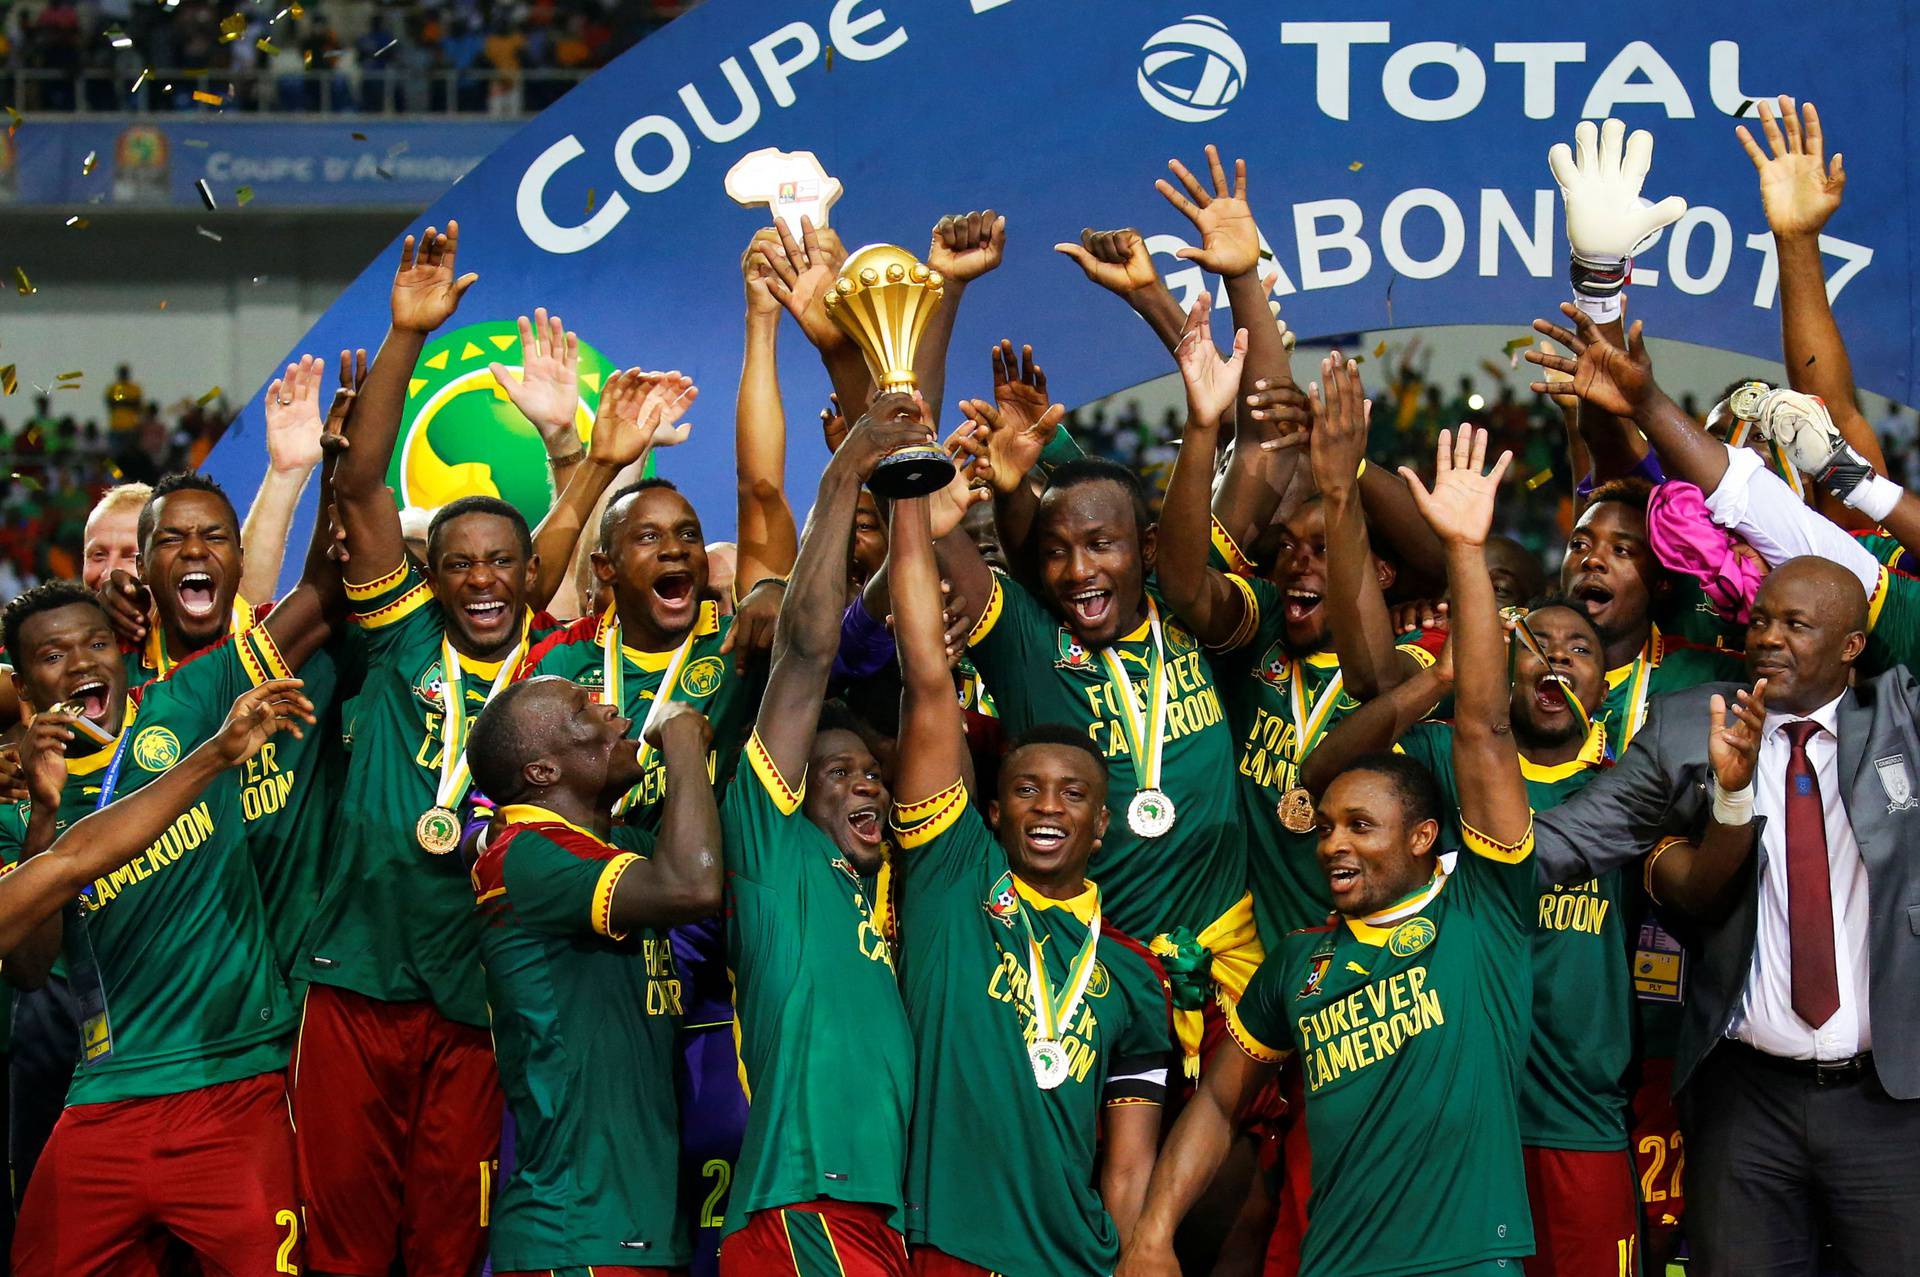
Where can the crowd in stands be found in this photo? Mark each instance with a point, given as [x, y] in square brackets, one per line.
[469, 56]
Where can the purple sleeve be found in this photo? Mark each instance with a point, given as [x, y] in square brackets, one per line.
[1648, 468]
[866, 645]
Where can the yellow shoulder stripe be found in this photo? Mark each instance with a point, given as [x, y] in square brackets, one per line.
[1253, 1046]
[989, 615]
[917, 824]
[785, 796]
[373, 589]
[1236, 558]
[603, 894]
[398, 610]
[1493, 849]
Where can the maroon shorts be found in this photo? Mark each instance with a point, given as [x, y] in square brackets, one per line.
[1295, 1167]
[1584, 1219]
[928, 1262]
[1659, 1156]
[213, 1167]
[817, 1239]
[396, 1113]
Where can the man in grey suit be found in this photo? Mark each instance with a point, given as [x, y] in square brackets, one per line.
[1798, 1070]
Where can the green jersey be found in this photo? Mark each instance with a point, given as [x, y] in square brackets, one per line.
[1281, 705]
[825, 1051]
[1664, 665]
[1039, 673]
[702, 677]
[1574, 1094]
[583, 1029]
[395, 922]
[1024, 1200]
[1689, 614]
[1893, 624]
[1412, 1027]
[178, 933]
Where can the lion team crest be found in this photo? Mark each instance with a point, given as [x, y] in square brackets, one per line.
[702, 678]
[1410, 937]
[1100, 983]
[156, 749]
[1003, 906]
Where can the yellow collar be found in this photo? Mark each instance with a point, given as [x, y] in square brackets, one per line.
[1325, 660]
[154, 654]
[1650, 654]
[706, 623]
[1141, 633]
[1592, 753]
[1080, 906]
[1378, 925]
[87, 764]
[534, 814]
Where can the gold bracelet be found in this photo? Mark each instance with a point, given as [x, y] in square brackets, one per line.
[572, 458]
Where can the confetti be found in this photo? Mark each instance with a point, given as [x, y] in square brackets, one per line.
[87, 165]
[388, 45]
[1379, 352]
[162, 305]
[297, 10]
[9, 379]
[209, 234]
[276, 17]
[22, 284]
[144, 73]
[14, 121]
[243, 196]
[232, 27]
[385, 172]
[1539, 480]
[120, 40]
[1356, 166]
[359, 137]
[77, 222]
[206, 194]
[259, 280]
[198, 143]
[207, 99]
[1390, 283]
[209, 397]
[266, 46]
[27, 481]
[590, 191]
[68, 376]
[306, 57]
[1515, 346]
[829, 57]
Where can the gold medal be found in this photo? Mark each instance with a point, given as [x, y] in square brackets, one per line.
[1296, 811]
[438, 831]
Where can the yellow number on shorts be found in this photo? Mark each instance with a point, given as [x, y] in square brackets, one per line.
[1655, 1147]
[486, 1191]
[722, 1171]
[1674, 1187]
[283, 1258]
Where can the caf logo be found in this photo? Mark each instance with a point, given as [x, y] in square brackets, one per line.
[156, 749]
[461, 436]
[1191, 71]
[702, 678]
[1072, 655]
[1410, 937]
[1276, 667]
[1003, 906]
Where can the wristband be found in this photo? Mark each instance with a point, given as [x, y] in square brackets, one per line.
[1598, 276]
[1732, 809]
[1601, 310]
[1873, 495]
[572, 458]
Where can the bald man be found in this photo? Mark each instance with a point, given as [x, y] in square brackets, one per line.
[1798, 1068]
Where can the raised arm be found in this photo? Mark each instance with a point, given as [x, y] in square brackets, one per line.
[1205, 599]
[1493, 797]
[1800, 189]
[1118, 261]
[1376, 725]
[808, 633]
[101, 842]
[426, 291]
[1020, 422]
[1357, 616]
[293, 453]
[965, 247]
[547, 391]
[639, 411]
[681, 881]
[43, 764]
[767, 536]
[803, 272]
[933, 735]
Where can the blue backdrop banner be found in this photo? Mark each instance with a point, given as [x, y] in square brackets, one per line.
[1398, 168]
[157, 161]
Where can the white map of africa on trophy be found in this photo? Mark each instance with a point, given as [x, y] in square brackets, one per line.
[791, 183]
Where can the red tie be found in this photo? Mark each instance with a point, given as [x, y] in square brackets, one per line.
[1816, 986]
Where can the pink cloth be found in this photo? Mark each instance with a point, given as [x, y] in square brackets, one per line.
[1686, 539]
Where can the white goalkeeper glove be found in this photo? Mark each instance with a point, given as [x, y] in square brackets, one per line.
[1606, 221]
[1802, 427]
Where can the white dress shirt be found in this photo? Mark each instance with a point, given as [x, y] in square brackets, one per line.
[1765, 1019]
[1756, 505]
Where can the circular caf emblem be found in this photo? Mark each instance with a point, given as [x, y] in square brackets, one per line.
[460, 436]
[156, 749]
[1410, 937]
[1099, 983]
[702, 678]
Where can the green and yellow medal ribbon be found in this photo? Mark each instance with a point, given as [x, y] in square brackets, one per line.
[1145, 731]
[155, 657]
[614, 664]
[1053, 1014]
[454, 774]
[1310, 718]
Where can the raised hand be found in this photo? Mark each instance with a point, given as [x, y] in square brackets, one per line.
[1799, 188]
[1733, 738]
[1013, 450]
[892, 422]
[1341, 415]
[1210, 380]
[426, 291]
[689, 718]
[1600, 185]
[293, 417]
[1229, 241]
[259, 714]
[1554, 377]
[803, 271]
[833, 424]
[43, 755]
[1459, 509]
[1020, 393]
[127, 603]
[353, 375]
[1613, 380]
[1118, 261]
[547, 391]
[972, 480]
[640, 411]
[1279, 413]
[967, 245]
[755, 270]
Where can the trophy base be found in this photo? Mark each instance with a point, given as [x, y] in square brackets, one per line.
[912, 472]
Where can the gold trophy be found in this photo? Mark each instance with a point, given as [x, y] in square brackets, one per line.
[883, 300]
